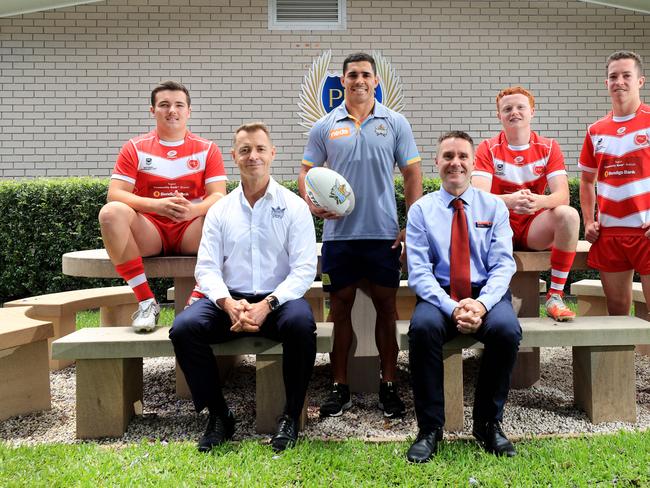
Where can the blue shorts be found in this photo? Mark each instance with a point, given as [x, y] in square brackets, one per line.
[346, 262]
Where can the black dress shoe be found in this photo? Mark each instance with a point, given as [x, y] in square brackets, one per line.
[286, 435]
[492, 438]
[424, 447]
[219, 430]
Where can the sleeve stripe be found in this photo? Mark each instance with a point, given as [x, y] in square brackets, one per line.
[586, 169]
[216, 178]
[483, 174]
[414, 160]
[307, 163]
[555, 173]
[128, 179]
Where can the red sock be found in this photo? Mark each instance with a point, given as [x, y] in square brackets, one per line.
[133, 273]
[561, 262]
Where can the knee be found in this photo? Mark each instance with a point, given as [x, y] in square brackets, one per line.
[509, 334]
[299, 323]
[567, 217]
[424, 330]
[113, 213]
[182, 328]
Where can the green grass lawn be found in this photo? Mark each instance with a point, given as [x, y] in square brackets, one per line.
[621, 459]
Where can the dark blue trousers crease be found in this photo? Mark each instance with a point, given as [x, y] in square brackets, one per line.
[430, 329]
[204, 323]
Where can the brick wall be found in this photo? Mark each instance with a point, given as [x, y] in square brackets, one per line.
[75, 81]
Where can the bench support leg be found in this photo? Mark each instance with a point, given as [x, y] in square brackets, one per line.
[63, 325]
[641, 311]
[604, 382]
[525, 285]
[591, 306]
[106, 392]
[363, 358]
[453, 381]
[270, 394]
[117, 316]
[25, 379]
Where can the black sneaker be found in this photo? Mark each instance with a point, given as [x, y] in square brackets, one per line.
[286, 435]
[389, 401]
[218, 431]
[337, 401]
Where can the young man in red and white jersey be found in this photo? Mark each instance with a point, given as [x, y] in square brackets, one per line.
[162, 185]
[518, 165]
[616, 154]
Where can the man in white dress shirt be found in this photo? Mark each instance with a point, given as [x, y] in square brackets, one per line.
[256, 260]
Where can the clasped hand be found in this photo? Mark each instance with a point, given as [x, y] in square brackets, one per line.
[468, 315]
[176, 208]
[245, 316]
[524, 202]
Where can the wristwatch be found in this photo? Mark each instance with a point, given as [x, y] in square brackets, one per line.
[272, 302]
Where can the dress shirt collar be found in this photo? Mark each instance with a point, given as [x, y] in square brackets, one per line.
[467, 196]
[269, 194]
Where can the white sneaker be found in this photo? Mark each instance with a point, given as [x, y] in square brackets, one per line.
[146, 317]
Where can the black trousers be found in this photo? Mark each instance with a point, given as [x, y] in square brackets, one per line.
[204, 323]
[430, 329]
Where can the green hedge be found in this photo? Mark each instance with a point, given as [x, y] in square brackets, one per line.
[45, 218]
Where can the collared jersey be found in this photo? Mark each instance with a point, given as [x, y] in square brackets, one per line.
[365, 154]
[159, 168]
[513, 168]
[618, 150]
[428, 242]
[267, 248]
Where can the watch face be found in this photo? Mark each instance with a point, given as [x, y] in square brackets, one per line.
[273, 302]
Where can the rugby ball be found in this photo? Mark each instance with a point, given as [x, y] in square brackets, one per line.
[329, 190]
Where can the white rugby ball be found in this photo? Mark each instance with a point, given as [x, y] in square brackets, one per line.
[329, 190]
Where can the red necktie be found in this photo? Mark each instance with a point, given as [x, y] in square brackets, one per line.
[460, 284]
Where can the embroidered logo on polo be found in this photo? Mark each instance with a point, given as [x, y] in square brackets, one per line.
[321, 91]
[277, 212]
[339, 192]
[381, 130]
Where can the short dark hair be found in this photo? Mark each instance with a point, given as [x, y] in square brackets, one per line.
[172, 86]
[357, 57]
[625, 55]
[252, 127]
[456, 134]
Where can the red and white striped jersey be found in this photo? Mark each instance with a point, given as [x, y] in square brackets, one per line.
[159, 168]
[514, 168]
[618, 150]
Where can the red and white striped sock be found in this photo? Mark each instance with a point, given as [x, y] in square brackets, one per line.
[133, 273]
[561, 262]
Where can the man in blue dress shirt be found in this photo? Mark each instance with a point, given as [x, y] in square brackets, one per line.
[487, 314]
[256, 260]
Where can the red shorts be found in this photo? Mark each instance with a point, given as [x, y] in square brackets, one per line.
[520, 225]
[171, 233]
[620, 249]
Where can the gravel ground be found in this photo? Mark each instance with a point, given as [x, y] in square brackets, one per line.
[545, 409]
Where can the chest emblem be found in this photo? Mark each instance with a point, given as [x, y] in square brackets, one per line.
[519, 160]
[641, 139]
[621, 130]
[278, 212]
[171, 154]
[193, 164]
[499, 169]
[381, 130]
[539, 169]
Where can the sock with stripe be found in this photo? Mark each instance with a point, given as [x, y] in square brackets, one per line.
[561, 262]
[133, 273]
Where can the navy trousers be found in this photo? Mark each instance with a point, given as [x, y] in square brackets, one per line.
[204, 323]
[500, 332]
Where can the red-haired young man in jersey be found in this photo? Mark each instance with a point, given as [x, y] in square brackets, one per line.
[616, 154]
[162, 185]
[518, 165]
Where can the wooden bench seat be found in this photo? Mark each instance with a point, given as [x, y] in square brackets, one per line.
[603, 363]
[116, 305]
[110, 381]
[24, 372]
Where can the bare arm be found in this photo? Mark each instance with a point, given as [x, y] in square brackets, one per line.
[412, 184]
[588, 205]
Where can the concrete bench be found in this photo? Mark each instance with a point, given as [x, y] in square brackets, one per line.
[110, 380]
[24, 372]
[591, 301]
[603, 363]
[116, 305]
